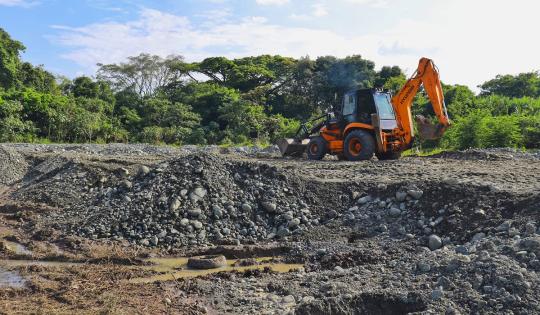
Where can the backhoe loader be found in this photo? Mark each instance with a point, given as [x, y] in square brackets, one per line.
[370, 122]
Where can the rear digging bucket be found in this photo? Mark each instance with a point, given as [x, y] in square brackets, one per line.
[427, 130]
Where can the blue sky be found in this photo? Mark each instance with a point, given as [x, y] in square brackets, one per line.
[470, 41]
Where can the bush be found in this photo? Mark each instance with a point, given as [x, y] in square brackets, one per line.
[481, 130]
[500, 131]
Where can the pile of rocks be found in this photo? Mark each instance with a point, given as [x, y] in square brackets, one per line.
[195, 199]
[13, 166]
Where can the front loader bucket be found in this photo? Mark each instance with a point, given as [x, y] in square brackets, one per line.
[290, 147]
[427, 130]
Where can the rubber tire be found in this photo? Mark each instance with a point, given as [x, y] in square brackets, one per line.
[366, 141]
[322, 148]
[388, 156]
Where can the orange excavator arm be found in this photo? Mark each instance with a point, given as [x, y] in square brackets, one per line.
[428, 76]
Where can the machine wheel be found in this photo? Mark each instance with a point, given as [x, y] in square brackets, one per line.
[359, 145]
[388, 155]
[317, 148]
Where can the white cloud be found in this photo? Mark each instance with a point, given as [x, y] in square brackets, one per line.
[272, 2]
[17, 3]
[318, 10]
[371, 3]
[468, 48]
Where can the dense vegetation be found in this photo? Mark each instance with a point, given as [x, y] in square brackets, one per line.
[241, 101]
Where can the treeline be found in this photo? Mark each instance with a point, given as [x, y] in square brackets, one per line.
[242, 101]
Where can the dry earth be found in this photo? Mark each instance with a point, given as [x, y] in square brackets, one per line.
[456, 233]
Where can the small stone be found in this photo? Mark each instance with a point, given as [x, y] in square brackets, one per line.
[126, 184]
[154, 240]
[145, 242]
[273, 298]
[143, 170]
[269, 206]
[394, 212]
[308, 299]
[530, 228]
[283, 231]
[460, 249]
[124, 172]
[401, 196]
[480, 212]
[437, 294]
[197, 224]
[478, 236]
[423, 266]
[195, 213]
[216, 210]
[197, 194]
[184, 222]
[503, 227]
[364, 200]
[288, 299]
[175, 204]
[167, 301]
[416, 194]
[434, 242]
[513, 232]
[293, 223]
[246, 207]
[339, 269]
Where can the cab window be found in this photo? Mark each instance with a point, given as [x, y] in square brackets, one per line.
[349, 107]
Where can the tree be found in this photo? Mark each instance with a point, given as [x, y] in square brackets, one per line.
[334, 77]
[9, 59]
[523, 84]
[386, 73]
[12, 125]
[37, 78]
[143, 74]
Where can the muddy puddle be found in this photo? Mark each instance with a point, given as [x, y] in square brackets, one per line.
[168, 269]
[16, 248]
[176, 268]
[11, 279]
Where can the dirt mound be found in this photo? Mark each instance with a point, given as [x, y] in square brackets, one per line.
[13, 166]
[366, 303]
[486, 154]
[194, 199]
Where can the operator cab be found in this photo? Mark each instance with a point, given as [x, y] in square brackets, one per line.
[358, 105]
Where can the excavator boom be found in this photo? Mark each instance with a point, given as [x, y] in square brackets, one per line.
[428, 76]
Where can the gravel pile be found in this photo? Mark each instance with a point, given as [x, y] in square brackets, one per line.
[13, 166]
[195, 199]
[116, 149]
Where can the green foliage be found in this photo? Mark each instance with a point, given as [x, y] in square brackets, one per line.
[481, 130]
[388, 73]
[37, 78]
[238, 101]
[9, 59]
[521, 85]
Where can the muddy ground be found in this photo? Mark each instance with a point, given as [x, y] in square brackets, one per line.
[92, 229]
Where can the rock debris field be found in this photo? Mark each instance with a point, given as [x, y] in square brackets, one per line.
[454, 233]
